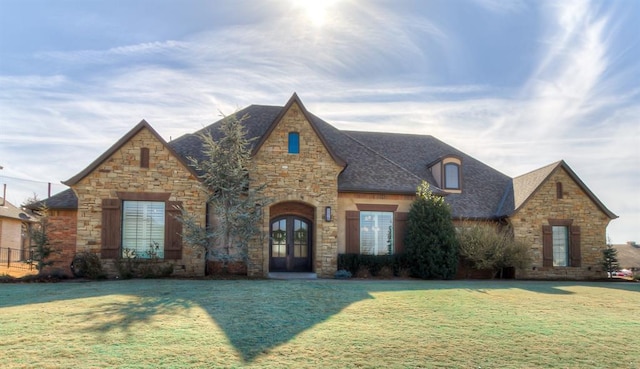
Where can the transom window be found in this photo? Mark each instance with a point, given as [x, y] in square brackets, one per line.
[560, 237]
[143, 225]
[294, 143]
[376, 233]
[452, 176]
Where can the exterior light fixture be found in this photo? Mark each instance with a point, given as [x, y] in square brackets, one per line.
[327, 213]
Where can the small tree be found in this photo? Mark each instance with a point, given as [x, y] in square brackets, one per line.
[235, 204]
[430, 239]
[40, 240]
[610, 259]
[490, 247]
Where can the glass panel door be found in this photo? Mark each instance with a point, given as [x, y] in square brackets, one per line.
[290, 245]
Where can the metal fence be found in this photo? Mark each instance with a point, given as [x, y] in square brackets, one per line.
[16, 258]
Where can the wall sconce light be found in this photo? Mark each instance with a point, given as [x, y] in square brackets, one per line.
[327, 213]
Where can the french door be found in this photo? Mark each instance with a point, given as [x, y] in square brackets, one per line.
[290, 245]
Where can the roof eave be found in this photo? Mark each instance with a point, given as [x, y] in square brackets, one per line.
[115, 147]
[295, 99]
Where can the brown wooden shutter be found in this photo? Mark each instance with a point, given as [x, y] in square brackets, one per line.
[399, 227]
[172, 230]
[574, 251]
[111, 228]
[547, 246]
[353, 232]
[144, 157]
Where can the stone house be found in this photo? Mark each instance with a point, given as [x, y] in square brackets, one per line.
[331, 192]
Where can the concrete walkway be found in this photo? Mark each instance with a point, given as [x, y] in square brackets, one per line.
[286, 276]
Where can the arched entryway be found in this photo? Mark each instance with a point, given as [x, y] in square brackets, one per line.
[291, 237]
[290, 245]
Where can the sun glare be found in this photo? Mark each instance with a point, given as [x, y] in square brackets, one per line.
[315, 10]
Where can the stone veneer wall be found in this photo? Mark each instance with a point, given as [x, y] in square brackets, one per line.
[575, 204]
[310, 177]
[122, 172]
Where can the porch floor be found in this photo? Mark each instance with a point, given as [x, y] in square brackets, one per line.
[286, 275]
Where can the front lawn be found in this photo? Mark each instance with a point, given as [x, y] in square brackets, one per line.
[320, 324]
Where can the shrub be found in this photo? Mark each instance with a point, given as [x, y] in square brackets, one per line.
[130, 266]
[87, 264]
[364, 266]
[342, 274]
[431, 239]
[491, 247]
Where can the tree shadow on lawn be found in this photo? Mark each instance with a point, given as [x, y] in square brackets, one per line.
[257, 316]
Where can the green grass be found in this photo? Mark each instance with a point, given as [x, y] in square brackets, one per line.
[320, 324]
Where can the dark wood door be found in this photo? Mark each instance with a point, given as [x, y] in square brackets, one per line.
[290, 245]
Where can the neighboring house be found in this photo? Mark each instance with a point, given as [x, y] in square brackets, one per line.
[331, 192]
[14, 229]
[629, 256]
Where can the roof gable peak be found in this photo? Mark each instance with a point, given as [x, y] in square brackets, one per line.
[294, 99]
[142, 125]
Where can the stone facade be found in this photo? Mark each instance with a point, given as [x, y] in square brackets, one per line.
[575, 205]
[310, 177]
[122, 172]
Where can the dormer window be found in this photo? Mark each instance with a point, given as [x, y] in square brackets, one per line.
[451, 176]
[447, 171]
[294, 143]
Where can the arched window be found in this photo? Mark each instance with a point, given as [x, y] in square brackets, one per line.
[452, 176]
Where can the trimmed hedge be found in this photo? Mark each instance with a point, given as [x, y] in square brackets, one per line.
[354, 263]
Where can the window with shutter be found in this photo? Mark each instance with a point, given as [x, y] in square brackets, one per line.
[143, 229]
[376, 233]
[375, 230]
[561, 244]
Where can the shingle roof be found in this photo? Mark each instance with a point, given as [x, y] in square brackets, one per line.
[66, 199]
[8, 210]
[139, 127]
[525, 186]
[483, 188]
[377, 162]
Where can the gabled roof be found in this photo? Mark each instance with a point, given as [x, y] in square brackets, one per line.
[366, 170]
[527, 184]
[296, 100]
[66, 199]
[373, 162]
[107, 154]
[8, 210]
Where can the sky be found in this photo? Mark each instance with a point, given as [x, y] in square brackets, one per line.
[516, 84]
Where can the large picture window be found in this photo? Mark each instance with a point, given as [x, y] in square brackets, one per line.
[376, 233]
[143, 229]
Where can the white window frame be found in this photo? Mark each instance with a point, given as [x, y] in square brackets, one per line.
[374, 232]
[143, 229]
